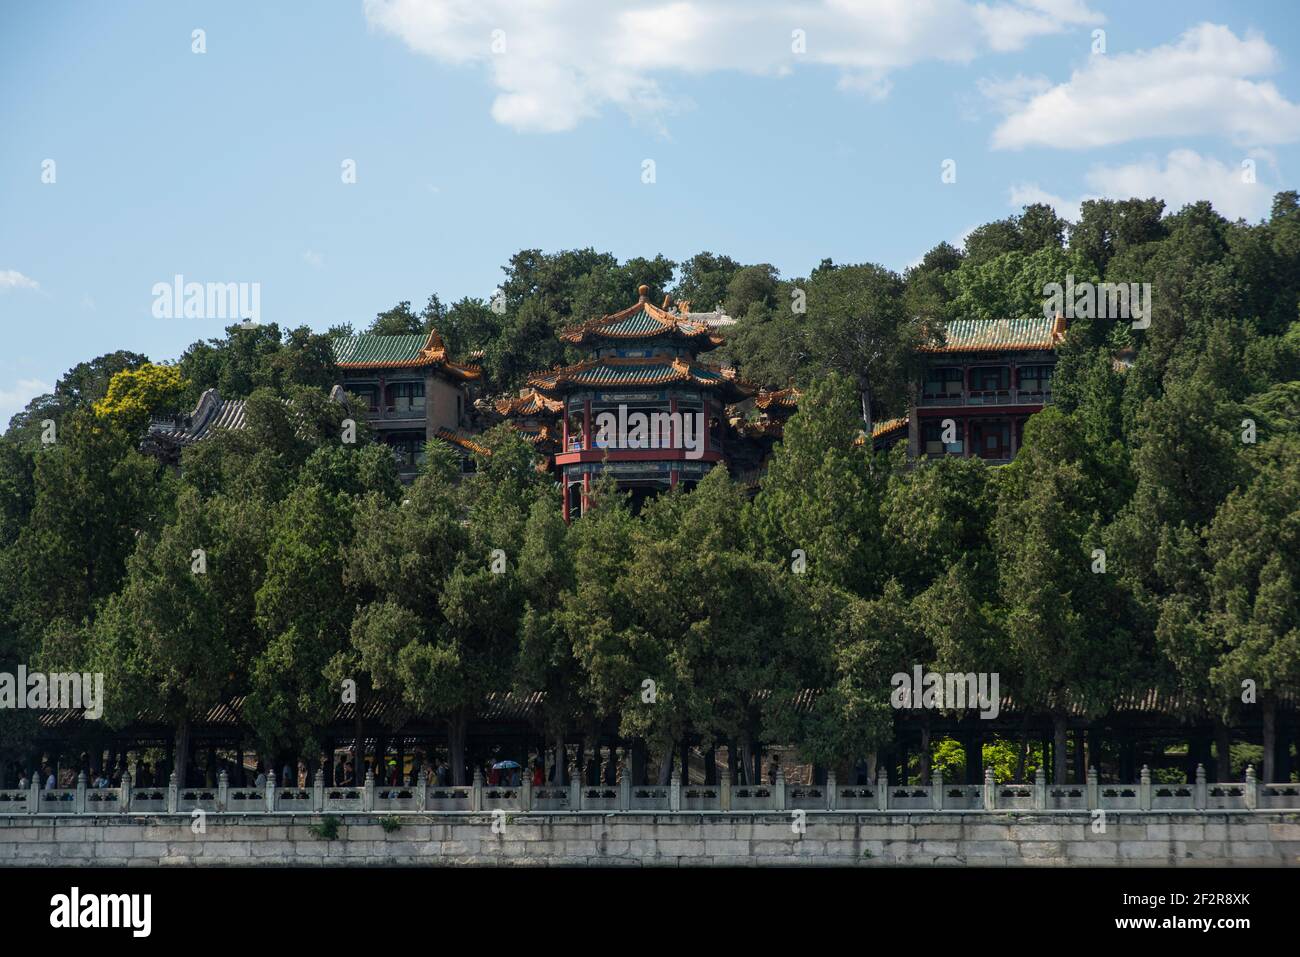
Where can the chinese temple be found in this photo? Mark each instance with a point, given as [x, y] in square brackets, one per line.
[980, 386]
[411, 391]
[536, 419]
[168, 437]
[640, 406]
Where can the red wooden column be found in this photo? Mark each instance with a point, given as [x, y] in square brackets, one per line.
[673, 471]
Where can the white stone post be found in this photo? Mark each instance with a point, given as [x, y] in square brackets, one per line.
[1144, 789]
[173, 794]
[526, 792]
[936, 789]
[724, 788]
[575, 788]
[778, 790]
[1252, 788]
[422, 789]
[223, 790]
[34, 793]
[79, 801]
[270, 790]
[882, 789]
[124, 802]
[1093, 789]
[832, 791]
[1040, 789]
[1202, 791]
[318, 791]
[990, 790]
[675, 791]
[476, 791]
[625, 784]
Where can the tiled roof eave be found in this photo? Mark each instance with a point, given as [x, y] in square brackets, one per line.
[450, 369]
[991, 347]
[393, 364]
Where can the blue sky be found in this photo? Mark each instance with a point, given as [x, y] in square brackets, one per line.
[769, 144]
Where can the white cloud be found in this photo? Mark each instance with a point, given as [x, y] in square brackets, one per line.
[313, 259]
[1026, 194]
[1010, 27]
[1196, 86]
[559, 62]
[1185, 177]
[13, 279]
[15, 398]
[1013, 94]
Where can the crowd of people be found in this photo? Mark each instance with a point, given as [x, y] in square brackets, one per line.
[341, 771]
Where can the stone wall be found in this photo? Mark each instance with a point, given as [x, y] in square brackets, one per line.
[1131, 838]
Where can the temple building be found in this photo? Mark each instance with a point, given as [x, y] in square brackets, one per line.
[168, 437]
[980, 386]
[536, 419]
[411, 392]
[640, 406]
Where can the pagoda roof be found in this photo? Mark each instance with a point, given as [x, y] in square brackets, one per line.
[531, 403]
[539, 436]
[881, 429]
[639, 372]
[370, 350]
[768, 400]
[644, 320]
[210, 414]
[461, 441]
[1034, 333]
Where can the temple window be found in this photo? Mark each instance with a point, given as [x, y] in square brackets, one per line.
[574, 420]
[1037, 379]
[990, 379]
[406, 397]
[368, 394]
[408, 450]
[944, 380]
[932, 439]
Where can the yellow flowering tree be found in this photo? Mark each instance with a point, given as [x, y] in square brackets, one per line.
[136, 394]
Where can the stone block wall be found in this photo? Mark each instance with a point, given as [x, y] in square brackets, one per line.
[1011, 839]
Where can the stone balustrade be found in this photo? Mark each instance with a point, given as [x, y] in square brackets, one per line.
[726, 796]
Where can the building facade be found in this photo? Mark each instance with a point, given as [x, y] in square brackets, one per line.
[981, 385]
[641, 406]
[410, 391]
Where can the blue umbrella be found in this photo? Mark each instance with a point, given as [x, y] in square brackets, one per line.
[505, 765]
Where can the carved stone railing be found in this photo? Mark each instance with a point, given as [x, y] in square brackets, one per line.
[724, 797]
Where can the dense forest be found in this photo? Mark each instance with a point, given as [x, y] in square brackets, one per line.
[1175, 450]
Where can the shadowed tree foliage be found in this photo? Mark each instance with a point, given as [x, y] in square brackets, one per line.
[1172, 448]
